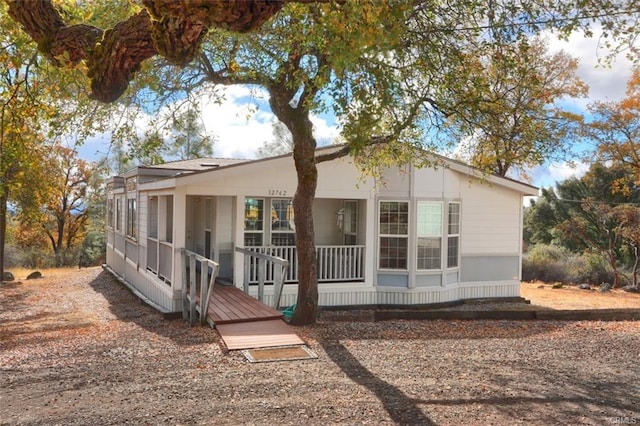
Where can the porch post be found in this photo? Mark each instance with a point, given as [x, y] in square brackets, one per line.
[179, 235]
[238, 232]
[371, 241]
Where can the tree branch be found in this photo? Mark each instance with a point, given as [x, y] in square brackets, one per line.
[171, 28]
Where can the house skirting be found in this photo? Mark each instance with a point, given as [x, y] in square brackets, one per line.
[367, 296]
[161, 296]
[145, 285]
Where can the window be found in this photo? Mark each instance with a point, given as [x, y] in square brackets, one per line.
[153, 217]
[110, 212]
[118, 214]
[393, 233]
[253, 221]
[453, 235]
[282, 223]
[350, 224]
[169, 219]
[429, 234]
[131, 218]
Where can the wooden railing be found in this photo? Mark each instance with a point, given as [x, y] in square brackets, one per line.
[335, 263]
[196, 295]
[262, 266]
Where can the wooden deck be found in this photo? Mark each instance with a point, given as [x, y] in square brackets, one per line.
[244, 322]
[231, 305]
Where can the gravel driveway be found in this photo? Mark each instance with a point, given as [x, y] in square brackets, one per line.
[79, 349]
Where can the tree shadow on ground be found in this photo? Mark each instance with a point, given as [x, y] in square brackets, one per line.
[13, 297]
[128, 307]
[436, 329]
[598, 402]
[542, 395]
[401, 408]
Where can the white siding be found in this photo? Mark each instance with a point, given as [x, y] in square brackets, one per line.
[490, 220]
[431, 183]
[277, 179]
[396, 183]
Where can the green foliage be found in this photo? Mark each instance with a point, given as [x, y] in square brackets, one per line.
[94, 249]
[515, 123]
[545, 263]
[189, 138]
[552, 263]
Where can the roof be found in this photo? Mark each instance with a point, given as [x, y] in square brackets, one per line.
[204, 165]
[196, 164]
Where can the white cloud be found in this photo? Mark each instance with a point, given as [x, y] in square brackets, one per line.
[240, 123]
[606, 82]
[240, 119]
[549, 174]
[243, 122]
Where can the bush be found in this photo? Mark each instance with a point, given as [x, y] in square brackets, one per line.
[545, 263]
[31, 257]
[550, 263]
[597, 270]
[12, 257]
[94, 249]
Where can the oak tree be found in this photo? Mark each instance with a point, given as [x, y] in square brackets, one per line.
[390, 71]
[615, 131]
[518, 121]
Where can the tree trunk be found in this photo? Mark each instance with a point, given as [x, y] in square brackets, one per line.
[4, 197]
[611, 257]
[636, 265]
[304, 158]
[296, 118]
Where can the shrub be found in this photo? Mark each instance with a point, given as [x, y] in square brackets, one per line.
[545, 263]
[550, 263]
[596, 270]
[94, 249]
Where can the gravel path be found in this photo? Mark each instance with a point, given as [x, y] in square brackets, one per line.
[79, 349]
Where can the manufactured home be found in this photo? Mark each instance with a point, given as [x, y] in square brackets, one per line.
[419, 236]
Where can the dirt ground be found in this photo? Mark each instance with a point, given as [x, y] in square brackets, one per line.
[77, 348]
[572, 297]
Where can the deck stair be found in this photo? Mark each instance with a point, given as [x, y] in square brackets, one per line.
[242, 321]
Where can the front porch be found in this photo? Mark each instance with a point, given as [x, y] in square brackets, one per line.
[217, 225]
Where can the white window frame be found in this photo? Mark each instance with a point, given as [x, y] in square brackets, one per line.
[453, 233]
[119, 214]
[290, 231]
[110, 212]
[132, 218]
[399, 236]
[429, 230]
[350, 222]
[153, 217]
[260, 219]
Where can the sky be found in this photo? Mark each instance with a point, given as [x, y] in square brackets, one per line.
[606, 83]
[240, 128]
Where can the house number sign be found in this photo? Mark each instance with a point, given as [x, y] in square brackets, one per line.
[278, 192]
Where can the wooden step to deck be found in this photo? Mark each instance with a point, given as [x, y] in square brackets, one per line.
[258, 334]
